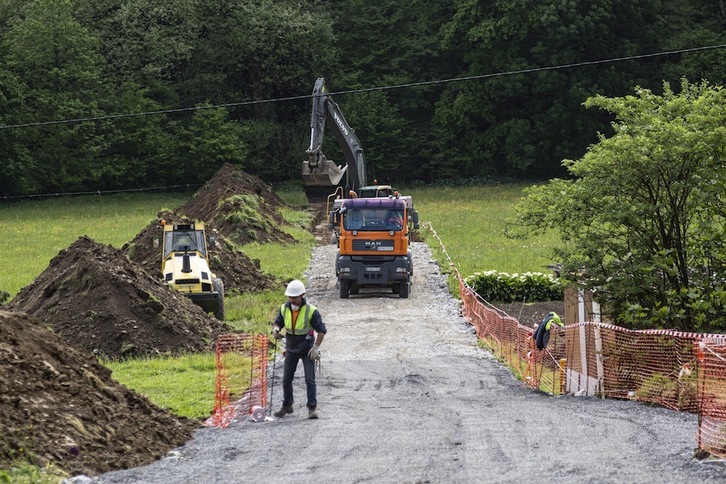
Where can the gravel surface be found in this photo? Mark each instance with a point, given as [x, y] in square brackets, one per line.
[405, 395]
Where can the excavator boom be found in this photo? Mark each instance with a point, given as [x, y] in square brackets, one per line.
[317, 170]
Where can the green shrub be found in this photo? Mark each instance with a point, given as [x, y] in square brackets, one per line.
[506, 288]
[657, 387]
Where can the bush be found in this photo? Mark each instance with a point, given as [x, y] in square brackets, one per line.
[506, 288]
[657, 387]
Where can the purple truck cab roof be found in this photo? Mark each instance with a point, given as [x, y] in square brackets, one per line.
[382, 203]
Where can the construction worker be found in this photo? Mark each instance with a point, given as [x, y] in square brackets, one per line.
[394, 219]
[301, 321]
[541, 334]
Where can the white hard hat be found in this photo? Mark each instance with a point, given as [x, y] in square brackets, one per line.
[295, 288]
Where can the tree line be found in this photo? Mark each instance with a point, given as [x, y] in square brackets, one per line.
[81, 59]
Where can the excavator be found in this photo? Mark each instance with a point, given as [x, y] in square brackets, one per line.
[370, 224]
[317, 170]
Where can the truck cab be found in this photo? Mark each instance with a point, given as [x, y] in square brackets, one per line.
[373, 244]
[376, 191]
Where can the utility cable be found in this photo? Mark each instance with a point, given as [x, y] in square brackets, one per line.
[96, 192]
[369, 89]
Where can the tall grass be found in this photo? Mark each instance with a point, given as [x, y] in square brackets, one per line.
[21, 471]
[182, 384]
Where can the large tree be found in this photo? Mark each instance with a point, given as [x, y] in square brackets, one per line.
[644, 217]
[389, 43]
[59, 72]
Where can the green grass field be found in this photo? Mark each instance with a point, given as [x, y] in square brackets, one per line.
[469, 220]
[34, 232]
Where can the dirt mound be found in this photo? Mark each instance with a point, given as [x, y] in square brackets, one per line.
[240, 206]
[94, 297]
[59, 405]
[237, 271]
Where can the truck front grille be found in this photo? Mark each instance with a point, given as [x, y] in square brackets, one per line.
[373, 245]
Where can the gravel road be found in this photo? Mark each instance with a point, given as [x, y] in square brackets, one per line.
[405, 395]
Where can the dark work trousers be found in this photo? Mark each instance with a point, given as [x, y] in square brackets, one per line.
[289, 373]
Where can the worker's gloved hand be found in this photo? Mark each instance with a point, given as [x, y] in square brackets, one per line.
[314, 353]
[276, 333]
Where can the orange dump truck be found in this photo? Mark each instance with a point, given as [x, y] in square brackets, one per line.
[373, 243]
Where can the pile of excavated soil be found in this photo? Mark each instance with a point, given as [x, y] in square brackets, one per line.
[237, 208]
[59, 405]
[240, 206]
[94, 297]
[237, 271]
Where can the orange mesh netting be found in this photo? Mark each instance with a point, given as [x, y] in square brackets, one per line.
[677, 370]
[241, 382]
[680, 371]
[711, 354]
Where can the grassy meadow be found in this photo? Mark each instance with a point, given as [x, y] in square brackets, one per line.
[471, 223]
[35, 231]
[469, 220]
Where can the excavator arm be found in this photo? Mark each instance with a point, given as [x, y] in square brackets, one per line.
[317, 170]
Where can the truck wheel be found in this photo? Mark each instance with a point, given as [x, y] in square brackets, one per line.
[344, 287]
[404, 290]
[218, 287]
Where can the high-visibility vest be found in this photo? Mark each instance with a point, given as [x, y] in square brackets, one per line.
[301, 327]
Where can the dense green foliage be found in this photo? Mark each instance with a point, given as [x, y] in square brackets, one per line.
[528, 287]
[644, 220]
[77, 59]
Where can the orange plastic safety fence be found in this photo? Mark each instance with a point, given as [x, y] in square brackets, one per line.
[241, 382]
[677, 370]
[711, 354]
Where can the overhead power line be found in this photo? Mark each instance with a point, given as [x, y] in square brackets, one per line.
[369, 89]
[97, 192]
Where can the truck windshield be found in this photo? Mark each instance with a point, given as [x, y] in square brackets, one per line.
[371, 219]
[180, 241]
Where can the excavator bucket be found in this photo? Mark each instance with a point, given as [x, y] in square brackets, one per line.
[321, 172]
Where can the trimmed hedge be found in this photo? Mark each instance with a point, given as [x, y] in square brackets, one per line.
[506, 288]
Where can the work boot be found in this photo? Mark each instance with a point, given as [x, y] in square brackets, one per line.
[312, 414]
[284, 410]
